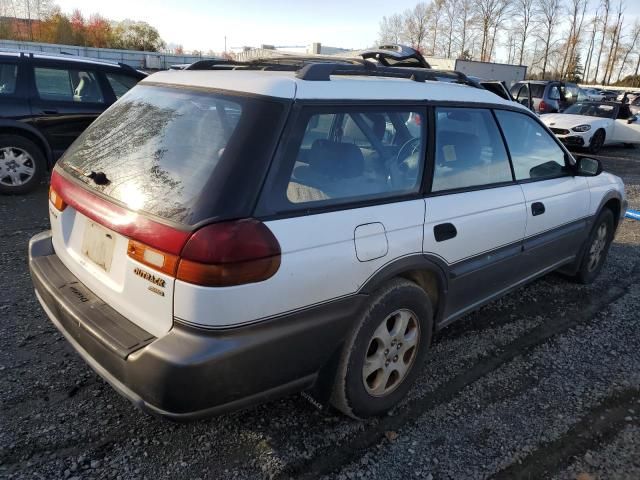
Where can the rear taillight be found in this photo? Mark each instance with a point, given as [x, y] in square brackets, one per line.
[542, 106]
[218, 255]
[230, 253]
[56, 200]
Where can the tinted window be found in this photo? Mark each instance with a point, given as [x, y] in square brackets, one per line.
[534, 153]
[469, 150]
[120, 83]
[158, 147]
[554, 92]
[537, 90]
[67, 85]
[351, 155]
[8, 75]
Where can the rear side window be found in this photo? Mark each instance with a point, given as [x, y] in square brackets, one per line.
[8, 76]
[469, 150]
[349, 155]
[60, 84]
[534, 153]
[120, 83]
[537, 90]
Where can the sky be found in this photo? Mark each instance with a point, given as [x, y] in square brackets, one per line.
[203, 25]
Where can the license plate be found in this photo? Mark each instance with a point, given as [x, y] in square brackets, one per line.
[97, 245]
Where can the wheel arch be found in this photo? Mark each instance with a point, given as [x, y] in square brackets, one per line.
[428, 272]
[11, 127]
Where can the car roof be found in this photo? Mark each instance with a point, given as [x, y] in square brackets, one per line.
[64, 58]
[286, 85]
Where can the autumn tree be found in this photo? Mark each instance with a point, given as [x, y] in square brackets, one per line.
[98, 32]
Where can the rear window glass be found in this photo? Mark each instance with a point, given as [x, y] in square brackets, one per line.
[158, 147]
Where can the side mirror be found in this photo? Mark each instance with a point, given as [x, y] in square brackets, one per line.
[632, 119]
[588, 167]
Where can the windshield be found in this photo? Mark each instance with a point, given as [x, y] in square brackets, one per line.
[160, 147]
[601, 110]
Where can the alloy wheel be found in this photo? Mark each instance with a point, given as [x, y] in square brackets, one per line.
[597, 247]
[16, 166]
[391, 352]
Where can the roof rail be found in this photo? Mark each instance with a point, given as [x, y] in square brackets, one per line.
[323, 72]
[287, 63]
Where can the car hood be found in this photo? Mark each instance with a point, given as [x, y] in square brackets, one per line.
[561, 120]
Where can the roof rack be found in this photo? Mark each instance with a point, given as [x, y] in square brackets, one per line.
[288, 63]
[324, 71]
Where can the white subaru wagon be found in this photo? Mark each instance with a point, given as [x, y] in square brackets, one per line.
[221, 238]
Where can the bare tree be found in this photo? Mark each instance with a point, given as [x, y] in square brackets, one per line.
[435, 10]
[451, 10]
[391, 29]
[465, 16]
[549, 11]
[606, 6]
[635, 35]
[525, 13]
[504, 8]
[416, 23]
[577, 10]
[615, 32]
[488, 15]
[587, 66]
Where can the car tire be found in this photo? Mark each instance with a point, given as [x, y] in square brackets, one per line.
[597, 247]
[22, 165]
[394, 334]
[597, 141]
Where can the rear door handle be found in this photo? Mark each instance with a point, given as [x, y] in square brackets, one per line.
[444, 231]
[49, 112]
[537, 208]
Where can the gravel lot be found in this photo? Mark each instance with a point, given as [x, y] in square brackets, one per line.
[544, 383]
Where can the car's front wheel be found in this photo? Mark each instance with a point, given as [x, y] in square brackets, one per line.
[22, 164]
[382, 357]
[597, 247]
[597, 141]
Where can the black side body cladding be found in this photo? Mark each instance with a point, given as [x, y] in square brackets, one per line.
[222, 370]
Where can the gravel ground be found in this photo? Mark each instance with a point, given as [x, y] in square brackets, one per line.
[544, 383]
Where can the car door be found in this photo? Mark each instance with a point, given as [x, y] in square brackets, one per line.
[557, 203]
[14, 103]
[66, 99]
[343, 199]
[475, 213]
[626, 128]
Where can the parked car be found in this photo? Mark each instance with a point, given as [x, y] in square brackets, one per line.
[221, 238]
[629, 95]
[592, 94]
[547, 96]
[609, 95]
[594, 124]
[46, 101]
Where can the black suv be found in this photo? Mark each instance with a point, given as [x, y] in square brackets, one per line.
[46, 101]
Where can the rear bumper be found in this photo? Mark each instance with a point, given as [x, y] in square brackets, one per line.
[189, 373]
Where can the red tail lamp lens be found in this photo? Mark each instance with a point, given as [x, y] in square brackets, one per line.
[543, 106]
[230, 253]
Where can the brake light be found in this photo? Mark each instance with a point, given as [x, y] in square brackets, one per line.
[542, 106]
[56, 200]
[230, 253]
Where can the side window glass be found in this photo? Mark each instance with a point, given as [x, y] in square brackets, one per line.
[356, 155]
[469, 150]
[534, 153]
[8, 75]
[67, 85]
[121, 84]
[523, 96]
[554, 93]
